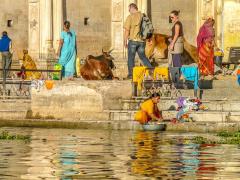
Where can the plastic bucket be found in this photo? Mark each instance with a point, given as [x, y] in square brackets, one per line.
[218, 61]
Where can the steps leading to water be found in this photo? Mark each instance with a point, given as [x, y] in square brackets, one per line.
[200, 116]
[14, 109]
[170, 104]
[222, 101]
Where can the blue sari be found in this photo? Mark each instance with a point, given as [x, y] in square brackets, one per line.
[68, 53]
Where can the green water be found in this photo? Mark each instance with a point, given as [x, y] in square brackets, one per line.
[90, 154]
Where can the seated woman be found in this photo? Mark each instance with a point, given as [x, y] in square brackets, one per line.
[149, 110]
[28, 63]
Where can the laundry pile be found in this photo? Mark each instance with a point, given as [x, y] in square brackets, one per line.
[186, 105]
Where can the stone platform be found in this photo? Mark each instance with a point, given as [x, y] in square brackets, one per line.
[109, 104]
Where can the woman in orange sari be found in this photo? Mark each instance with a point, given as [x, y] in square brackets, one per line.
[205, 45]
[149, 110]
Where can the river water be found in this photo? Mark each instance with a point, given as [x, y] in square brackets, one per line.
[99, 154]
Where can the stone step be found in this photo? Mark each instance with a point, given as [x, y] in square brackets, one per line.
[200, 116]
[14, 109]
[166, 104]
[12, 114]
[234, 116]
[228, 93]
[14, 105]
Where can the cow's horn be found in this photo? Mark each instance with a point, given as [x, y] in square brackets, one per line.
[110, 51]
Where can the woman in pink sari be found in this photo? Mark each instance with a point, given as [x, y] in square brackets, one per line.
[205, 45]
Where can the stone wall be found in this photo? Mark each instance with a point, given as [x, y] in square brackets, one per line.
[17, 11]
[80, 100]
[161, 10]
[97, 34]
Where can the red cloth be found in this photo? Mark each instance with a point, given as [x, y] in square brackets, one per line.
[206, 59]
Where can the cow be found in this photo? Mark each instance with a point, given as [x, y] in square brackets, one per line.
[98, 67]
[157, 48]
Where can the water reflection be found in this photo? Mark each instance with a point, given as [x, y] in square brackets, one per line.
[91, 154]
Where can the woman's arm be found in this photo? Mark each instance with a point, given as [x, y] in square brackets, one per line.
[154, 117]
[177, 31]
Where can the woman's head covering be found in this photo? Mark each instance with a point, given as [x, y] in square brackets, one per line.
[206, 31]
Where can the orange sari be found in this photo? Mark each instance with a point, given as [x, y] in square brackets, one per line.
[206, 59]
[147, 108]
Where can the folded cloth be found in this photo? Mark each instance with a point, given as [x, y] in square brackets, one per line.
[138, 75]
[191, 73]
[180, 101]
[161, 72]
[175, 74]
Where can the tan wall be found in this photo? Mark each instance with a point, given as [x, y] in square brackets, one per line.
[97, 35]
[188, 8]
[16, 10]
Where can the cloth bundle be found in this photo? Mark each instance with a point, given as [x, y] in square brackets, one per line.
[186, 105]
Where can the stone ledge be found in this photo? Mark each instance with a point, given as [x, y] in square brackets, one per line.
[199, 116]
[120, 125]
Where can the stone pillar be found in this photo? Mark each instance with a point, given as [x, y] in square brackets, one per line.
[48, 26]
[57, 21]
[143, 6]
[219, 23]
[46, 30]
[33, 28]
[117, 27]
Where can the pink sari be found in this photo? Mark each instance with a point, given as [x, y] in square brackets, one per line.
[205, 47]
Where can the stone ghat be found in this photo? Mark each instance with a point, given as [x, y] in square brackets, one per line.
[204, 127]
[109, 104]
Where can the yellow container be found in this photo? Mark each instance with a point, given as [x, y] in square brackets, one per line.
[78, 66]
[218, 53]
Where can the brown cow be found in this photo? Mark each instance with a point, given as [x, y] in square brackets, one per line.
[158, 49]
[99, 67]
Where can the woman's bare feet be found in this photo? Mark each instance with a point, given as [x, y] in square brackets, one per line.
[71, 79]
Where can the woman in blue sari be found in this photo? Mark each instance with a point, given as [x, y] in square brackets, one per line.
[67, 51]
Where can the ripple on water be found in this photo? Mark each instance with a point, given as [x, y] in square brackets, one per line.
[90, 154]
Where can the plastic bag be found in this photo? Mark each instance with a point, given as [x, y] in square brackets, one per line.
[56, 75]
